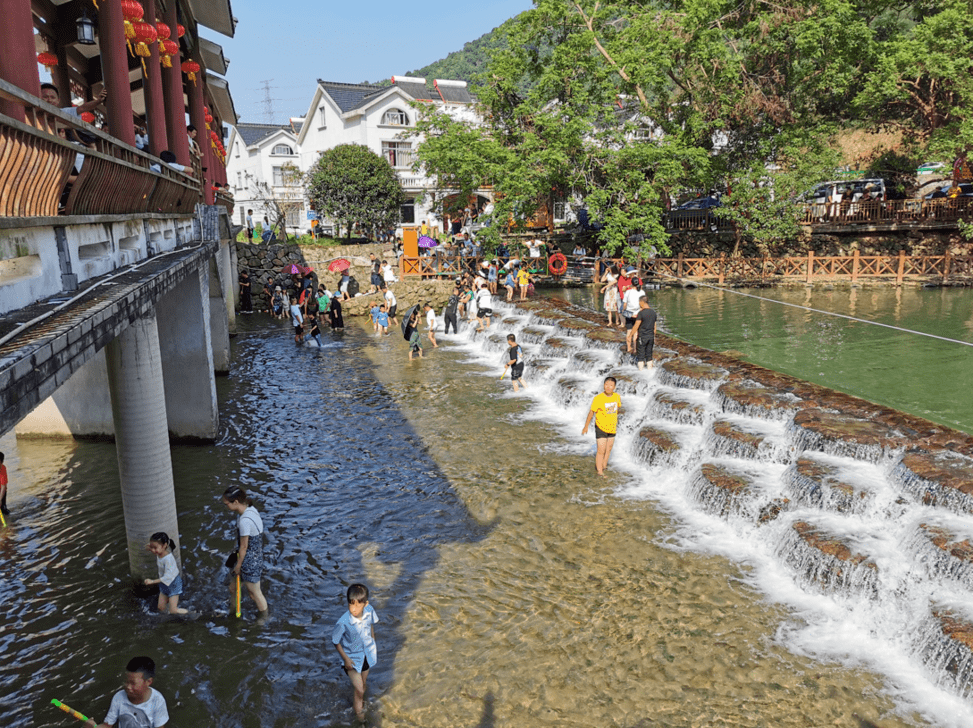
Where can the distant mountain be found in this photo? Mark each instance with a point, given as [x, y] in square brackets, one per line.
[464, 65]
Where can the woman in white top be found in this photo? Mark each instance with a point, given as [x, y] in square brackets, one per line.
[610, 289]
[249, 562]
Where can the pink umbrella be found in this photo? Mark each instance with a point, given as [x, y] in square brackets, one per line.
[339, 264]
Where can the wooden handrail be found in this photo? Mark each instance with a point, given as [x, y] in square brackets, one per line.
[114, 179]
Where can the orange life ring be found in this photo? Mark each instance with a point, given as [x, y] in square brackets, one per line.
[557, 264]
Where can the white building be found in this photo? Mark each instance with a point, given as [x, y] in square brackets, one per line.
[341, 113]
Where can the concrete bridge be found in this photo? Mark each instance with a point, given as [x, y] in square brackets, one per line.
[127, 325]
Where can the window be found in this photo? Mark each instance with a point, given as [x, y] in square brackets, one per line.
[395, 117]
[407, 212]
[239, 180]
[324, 117]
[293, 213]
[559, 210]
[278, 176]
[284, 150]
[399, 154]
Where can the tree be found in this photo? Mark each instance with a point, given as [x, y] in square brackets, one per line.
[625, 104]
[276, 202]
[351, 184]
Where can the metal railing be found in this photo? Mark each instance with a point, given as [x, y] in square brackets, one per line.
[35, 164]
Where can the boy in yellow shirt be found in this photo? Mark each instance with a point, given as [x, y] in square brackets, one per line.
[604, 408]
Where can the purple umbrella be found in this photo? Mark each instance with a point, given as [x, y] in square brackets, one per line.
[426, 242]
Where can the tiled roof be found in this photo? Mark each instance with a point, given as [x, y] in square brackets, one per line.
[253, 133]
[349, 96]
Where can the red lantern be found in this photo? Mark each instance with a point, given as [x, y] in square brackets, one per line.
[145, 34]
[163, 30]
[209, 118]
[132, 11]
[48, 60]
[167, 50]
[88, 117]
[190, 68]
[180, 30]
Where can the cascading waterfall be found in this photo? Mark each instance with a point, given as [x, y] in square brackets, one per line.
[852, 507]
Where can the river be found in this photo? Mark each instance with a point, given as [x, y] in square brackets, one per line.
[512, 583]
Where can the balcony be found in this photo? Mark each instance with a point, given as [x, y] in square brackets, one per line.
[35, 164]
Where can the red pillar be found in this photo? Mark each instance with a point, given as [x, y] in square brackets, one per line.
[155, 111]
[114, 63]
[18, 59]
[172, 91]
[198, 119]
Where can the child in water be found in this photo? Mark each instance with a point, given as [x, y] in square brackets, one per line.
[137, 703]
[354, 638]
[169, 581]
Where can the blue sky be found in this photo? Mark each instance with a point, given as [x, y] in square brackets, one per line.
[292, 43]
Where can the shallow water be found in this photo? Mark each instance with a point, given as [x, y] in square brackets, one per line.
[512, 583]
[924, 376]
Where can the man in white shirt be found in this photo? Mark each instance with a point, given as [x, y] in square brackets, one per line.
[431, 324]
[484, 306]
[391, 305]
[630, 307]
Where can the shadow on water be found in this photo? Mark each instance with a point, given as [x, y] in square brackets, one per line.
[347, 494]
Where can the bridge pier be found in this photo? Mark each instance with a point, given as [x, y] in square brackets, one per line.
[185, 341]
[135, 380]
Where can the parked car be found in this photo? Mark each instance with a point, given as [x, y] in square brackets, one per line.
[966, 190]
[694, 213]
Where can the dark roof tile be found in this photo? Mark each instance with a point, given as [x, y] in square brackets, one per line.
[253, 133]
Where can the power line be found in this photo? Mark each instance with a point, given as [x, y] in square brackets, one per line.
[268, 102]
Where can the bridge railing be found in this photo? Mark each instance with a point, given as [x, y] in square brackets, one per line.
[35, 164]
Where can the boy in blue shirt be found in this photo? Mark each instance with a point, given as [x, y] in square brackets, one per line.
[354, 638]
[382, 321]
[374, 313]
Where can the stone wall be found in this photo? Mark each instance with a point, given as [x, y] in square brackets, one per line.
[265, 261]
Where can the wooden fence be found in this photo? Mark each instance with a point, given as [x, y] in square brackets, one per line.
[811, 267]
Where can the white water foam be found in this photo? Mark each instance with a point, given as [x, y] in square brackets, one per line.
[878, 617]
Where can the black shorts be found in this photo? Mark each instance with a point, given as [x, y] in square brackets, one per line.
[629, 322]
[517, 371]
[643, 349]
[484, 313]
[298, 329]
[600, 434]
[364, 666]
[376, 280]
[393, 310]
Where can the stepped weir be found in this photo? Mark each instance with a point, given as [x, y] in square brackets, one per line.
[863, 506]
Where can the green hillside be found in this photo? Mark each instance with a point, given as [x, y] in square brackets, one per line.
[464, 65]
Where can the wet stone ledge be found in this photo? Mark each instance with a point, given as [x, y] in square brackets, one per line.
[845, 435]
[549, 317]
[571, 390]
[586, 361]
[945, 645]
[745, 397]
[826, 561]
[937, 479]
[722, 491]
[511, 321]
[656, 446]
[732, 440]
[606, 338]
[575, 326]
[680, 410]
[945, 555]
[628, 383]
[813, 483]
[559, 346]
[532, 335]
[690, 374]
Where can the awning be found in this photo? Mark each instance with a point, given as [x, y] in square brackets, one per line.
[212, 56]
[214, 14]
[219, 91]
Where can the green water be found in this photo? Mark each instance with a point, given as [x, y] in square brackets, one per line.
[917, 374]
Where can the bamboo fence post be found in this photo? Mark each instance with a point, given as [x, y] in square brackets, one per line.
[854, 266]
[900, 275]
[947, 259]
[679, 266]
[810, 266]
